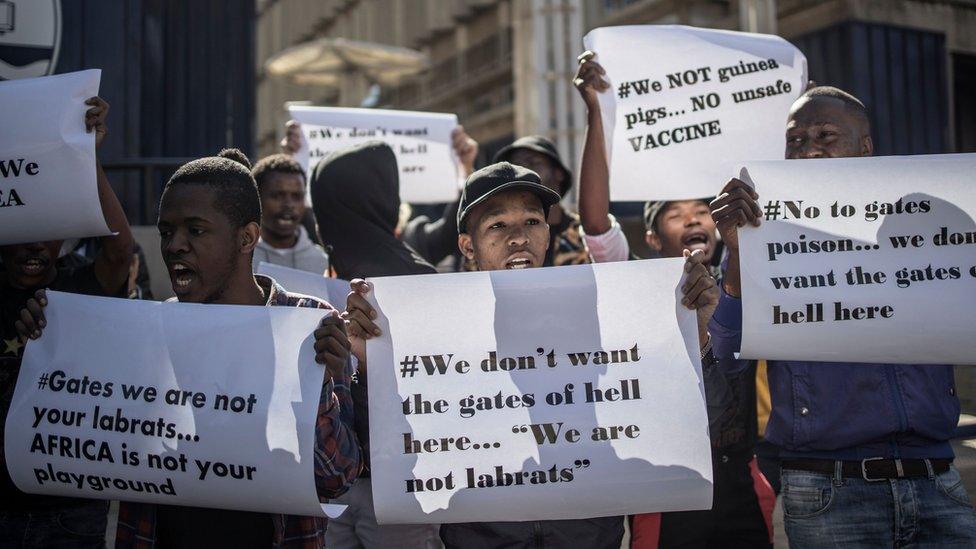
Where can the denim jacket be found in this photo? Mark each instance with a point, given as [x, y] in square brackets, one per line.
[849, 411]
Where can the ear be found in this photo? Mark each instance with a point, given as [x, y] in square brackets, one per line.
[653, 241]
[867, 146]
[560, 176]
[466, 245]
[250, 234]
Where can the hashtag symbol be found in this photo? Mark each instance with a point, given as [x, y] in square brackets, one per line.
[772, 210]
[42, 383]
[408, 367]
[623, 90]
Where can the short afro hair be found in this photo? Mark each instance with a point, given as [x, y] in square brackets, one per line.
[228, 175]
[276, 163]
[852, 103]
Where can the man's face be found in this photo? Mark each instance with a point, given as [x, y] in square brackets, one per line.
[823, 127]
[282, 204]
[683, 225]
[541, 164]
[508, 231]
[31, 265]
[200, 246]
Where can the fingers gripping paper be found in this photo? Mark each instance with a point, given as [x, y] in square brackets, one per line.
[686, 105]
[861, 260]
[421, 142]
[558, 393]
[177, 404]
[48, 189]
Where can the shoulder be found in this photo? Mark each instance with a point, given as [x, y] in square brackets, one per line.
[291, 299]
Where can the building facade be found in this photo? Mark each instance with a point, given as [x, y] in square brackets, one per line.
[505, 66]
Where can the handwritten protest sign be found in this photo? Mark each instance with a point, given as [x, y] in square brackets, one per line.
[556, 393]
[178, 404]
[420, 140]
[687, 105]
[333, 290]
[861, 260]
[48, 189]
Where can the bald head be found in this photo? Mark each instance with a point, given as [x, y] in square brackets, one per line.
[826, 122]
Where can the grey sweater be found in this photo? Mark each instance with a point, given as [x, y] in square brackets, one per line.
[305, 255]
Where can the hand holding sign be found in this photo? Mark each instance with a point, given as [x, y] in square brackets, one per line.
[332, 345]
[589, 80]
[48, 168]
[882, 271]
[421, 141]
[685, 104]
[95, 119]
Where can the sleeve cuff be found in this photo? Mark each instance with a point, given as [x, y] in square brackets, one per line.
[609, 246]
[729, 311]
[327, 400]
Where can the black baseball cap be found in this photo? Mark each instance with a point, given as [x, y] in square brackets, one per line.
[497, 178]
[543, 146]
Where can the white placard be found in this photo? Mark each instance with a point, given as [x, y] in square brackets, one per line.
[861, 260]
[332, 290]
[536, 364]
[48, 188]
[687, 105]
[420, 140]
[169, 403]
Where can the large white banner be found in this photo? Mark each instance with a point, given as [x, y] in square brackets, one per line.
[556, 393]
[861, 260]
[686, 105]
[420, 140]
[170, 403]
[332, 290]
[48, 188]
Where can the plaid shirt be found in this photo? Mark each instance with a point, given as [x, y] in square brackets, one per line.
[337, 457]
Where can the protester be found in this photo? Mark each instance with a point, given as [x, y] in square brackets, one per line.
[209, 225]
[80, 251]
[502, 225]
[28, 520]
[865, 451]
[356, 199]
[291, 145]
[741, 514]
[284, 241]
[539, 154]
[436, 240]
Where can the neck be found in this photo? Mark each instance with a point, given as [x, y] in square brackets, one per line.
[279, 241]
[242, 289]
[48, 279]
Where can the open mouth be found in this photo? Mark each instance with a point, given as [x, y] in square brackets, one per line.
[518, 263]
[182, 276]
[33, 266]
[697, 240]
[287, 220]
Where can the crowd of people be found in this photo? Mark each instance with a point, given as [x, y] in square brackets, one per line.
[858, 453]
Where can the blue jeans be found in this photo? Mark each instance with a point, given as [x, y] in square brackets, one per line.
[76, 527]
[822, 510]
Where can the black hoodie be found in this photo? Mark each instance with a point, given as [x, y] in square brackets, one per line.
[356, 200]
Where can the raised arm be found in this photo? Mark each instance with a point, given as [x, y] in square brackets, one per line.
[594, 192]
[435, 240]
[116, 253]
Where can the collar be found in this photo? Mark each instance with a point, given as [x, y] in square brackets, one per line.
[275, 293]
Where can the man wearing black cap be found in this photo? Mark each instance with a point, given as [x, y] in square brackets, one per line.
[502, 225]
[539, 155]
